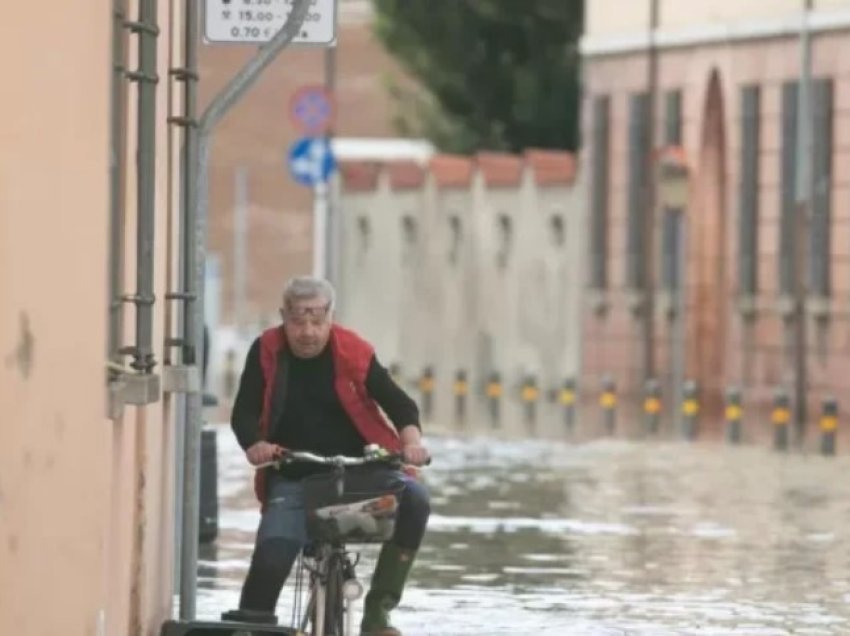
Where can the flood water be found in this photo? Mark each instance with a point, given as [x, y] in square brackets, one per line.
[604, 537]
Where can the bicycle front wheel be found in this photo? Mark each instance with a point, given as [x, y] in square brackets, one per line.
[335, 602]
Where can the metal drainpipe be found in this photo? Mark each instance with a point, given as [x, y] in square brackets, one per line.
[188, 74]
[117, 145]
[178, 376]
[147, 30]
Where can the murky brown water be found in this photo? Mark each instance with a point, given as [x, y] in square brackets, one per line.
[601, 538]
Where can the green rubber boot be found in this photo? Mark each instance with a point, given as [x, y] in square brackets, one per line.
[384, 595]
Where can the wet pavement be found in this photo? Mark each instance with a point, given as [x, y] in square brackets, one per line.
[605, 537]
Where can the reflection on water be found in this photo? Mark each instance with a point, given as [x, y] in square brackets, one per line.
[601, 538]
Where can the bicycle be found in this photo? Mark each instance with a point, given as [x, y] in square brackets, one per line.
[340, 508]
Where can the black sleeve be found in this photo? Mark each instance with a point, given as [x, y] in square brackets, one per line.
[398, 405]
[248, 407]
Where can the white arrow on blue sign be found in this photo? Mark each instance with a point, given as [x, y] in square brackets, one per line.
[311, 161]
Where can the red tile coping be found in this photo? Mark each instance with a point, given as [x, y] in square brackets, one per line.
[359, 176]
[451, 171]
[551, 167]
[500, 169]
[405, 175]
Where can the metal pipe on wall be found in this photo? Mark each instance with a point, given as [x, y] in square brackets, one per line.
[117, 154]
[189, 292]
[147, 79]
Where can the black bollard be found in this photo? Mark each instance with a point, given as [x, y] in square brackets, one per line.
[208, 505]
[651, 406]
[426, 388]
[460, 390]
[734, 413]
[494, 396]
[780, 417]
[829, 426]
[529, 396]
[567, 398]
[231, 375]
[690, 410]
[608, 402]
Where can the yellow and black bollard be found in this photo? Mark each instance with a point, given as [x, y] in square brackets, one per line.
[494, 397]
[608, 402]
[734, 413]
[828, 426]
[231, 375]
[426, 388]
[567, 399]
[652, 406]
[529, 396]
[460, 388]
[781, 418]
[690, 410]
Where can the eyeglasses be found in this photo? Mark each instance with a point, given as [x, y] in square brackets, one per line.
[302, 313]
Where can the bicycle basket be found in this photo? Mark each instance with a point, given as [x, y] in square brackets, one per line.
[365, 513]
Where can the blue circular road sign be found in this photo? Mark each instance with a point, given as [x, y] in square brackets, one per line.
[311, 160]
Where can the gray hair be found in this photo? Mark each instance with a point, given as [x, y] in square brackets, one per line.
[306, 288]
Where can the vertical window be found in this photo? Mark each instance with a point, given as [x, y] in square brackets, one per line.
[557, 232]
[599, 192]
[819, 249]
[673, 118]
[409, 234]
[637, 158]
[671, 218]
[670, 249]
[455, 238]
[748, 195]
[787, 171]
[364, 232]
[505, 238]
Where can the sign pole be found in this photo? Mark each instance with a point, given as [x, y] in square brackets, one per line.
[320, 227]
[197, 199]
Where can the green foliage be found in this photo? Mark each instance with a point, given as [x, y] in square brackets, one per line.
[494, 74]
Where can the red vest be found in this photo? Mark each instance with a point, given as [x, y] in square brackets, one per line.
[352, 356]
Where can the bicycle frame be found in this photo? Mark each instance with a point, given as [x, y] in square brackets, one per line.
[333, 568]
[328, 598]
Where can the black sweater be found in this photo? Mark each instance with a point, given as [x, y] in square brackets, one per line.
[313, 418]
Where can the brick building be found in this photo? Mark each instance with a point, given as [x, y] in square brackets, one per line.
[726, 80]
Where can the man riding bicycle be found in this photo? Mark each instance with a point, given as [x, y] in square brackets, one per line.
[312, 385]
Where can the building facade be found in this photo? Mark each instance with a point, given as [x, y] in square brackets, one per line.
[87, 456]
[722, 81]
[464, 271]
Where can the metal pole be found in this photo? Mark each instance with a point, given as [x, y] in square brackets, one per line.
[679, 329]
[320, 228]
[240, 231]
[649, 203]
[198, 198]
[146, 27]
[332, 231]
[117, 113]
[803, 193]
[188, 74]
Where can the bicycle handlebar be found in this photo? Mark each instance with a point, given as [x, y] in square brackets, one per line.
[335, 460]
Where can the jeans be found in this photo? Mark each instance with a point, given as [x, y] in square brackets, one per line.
[283, 533]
